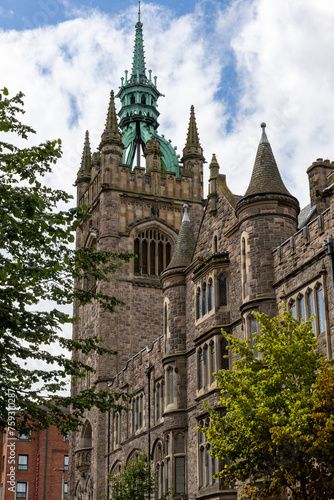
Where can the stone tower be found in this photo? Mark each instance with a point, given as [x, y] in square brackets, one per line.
[135, 187]
[267, 216]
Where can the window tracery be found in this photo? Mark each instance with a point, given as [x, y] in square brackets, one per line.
[153, 251]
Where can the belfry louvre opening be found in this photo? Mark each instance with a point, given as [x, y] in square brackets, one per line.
[153, 251]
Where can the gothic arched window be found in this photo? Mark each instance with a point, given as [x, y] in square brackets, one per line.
[153, 251]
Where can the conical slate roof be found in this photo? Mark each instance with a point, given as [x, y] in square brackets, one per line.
[265, 176]
[185, 244]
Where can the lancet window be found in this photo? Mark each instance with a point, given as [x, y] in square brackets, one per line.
[206, 365]
[309, 302]
[137, 407]
[208, 465]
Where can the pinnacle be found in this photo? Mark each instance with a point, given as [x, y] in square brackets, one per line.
[111, 132]
[85, 168]
[265, 176]
[111, 123]
[192, 137]
[214, 162]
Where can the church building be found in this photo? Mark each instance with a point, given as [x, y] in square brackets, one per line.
[201, 265]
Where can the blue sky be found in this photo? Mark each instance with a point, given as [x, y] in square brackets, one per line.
[23, 14]
[239, 62]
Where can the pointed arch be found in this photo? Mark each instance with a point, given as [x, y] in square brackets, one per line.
[133, 455]
[86, 438]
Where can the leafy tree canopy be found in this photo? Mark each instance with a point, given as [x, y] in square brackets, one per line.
[38, 263]
[135, 481]
[275, 427]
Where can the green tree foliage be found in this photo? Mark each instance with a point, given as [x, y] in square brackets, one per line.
[275, 427]
[38, 263]
[135, 481]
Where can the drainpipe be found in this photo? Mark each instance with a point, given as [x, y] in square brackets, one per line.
[148, 369]
[46, 460]
[108, 457]
[330, 251]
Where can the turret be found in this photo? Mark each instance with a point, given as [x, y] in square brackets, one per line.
[318, 174]
[268, 216]
[174, 289]
[173, 283]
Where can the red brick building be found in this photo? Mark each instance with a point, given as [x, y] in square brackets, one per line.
[34, 467]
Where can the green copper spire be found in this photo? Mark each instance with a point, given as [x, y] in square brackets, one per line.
[138, 114]
[111, 132]
[138, 63]
[85, 168]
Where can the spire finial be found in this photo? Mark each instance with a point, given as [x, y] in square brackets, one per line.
[264, 137]
[185, 215]
[138, 63]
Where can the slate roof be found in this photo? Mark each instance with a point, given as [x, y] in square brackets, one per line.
[185, 244]
[265, 176]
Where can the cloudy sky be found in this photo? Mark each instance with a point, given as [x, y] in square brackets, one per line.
[240, 62]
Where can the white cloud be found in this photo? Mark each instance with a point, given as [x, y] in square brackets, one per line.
[282, 53]
[284, 57]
